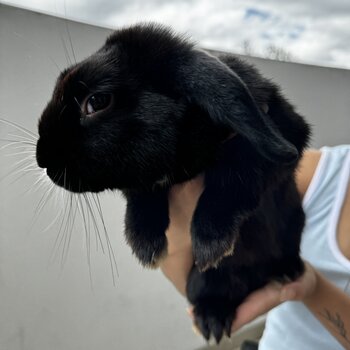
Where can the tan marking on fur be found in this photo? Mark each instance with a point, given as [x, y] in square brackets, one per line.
[230, 251]
[156, 261]
[215, 264]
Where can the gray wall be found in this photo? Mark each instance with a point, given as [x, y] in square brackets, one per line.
[320, 94]
[47, 306]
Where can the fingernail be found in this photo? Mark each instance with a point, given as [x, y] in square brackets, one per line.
[189, 311]
[287, 294]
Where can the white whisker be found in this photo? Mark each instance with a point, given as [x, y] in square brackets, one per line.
[40, 206]
[80, 107]
[32, 154]
[114, 268]
[22, 137]
[61, 37]
[68, 32]
[27, 40]
[19, 167]
[87, 236]
[15, 142]
[32, 135]
[94, 222]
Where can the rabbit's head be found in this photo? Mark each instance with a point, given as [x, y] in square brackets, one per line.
[149, 108]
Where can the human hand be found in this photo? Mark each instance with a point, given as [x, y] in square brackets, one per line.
[273, 294]
[183, 199]
[179, 260]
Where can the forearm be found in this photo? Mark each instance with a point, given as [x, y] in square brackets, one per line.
[176, 268]
[177, 264]
[179, 260]
[331, 306]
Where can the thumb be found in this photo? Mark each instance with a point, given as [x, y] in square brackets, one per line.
[302, 288]
[289, 293]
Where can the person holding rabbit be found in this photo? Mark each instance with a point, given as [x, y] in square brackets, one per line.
[312, 312]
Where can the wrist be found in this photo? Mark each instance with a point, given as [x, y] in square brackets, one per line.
[179, 240]
[314, 291]
[305, 288]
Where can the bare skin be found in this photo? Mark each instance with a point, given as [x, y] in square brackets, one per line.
[328, 303]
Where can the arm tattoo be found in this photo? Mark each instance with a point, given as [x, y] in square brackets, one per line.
[337, 322]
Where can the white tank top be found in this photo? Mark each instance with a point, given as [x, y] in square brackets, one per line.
[291, 326]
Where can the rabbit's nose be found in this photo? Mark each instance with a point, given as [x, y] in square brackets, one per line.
[48, 154]
[42, 154]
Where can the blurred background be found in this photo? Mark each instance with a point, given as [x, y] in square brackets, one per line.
[63, 284]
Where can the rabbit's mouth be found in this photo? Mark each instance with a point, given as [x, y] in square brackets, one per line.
[79, 178]
[71, 181]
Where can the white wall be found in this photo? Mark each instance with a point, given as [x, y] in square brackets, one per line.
[44, 306]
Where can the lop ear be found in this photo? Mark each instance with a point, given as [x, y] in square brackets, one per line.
[214, 87]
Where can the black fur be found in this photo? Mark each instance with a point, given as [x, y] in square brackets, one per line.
[173, 110]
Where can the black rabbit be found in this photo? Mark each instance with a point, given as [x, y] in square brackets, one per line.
[149, 110]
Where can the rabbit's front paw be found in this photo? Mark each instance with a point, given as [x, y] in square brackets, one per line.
[211, 241]
[149, 251]
[208, 253]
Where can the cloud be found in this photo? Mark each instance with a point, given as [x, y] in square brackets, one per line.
[253, 12]
[313, 31]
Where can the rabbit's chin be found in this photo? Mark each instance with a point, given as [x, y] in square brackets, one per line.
[75, 182]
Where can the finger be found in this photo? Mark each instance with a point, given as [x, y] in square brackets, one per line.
[289, 293]
[258, 303]
[303, 287]
[189, 311]
[297, 290]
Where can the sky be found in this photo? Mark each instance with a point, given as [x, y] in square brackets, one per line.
[306, 31]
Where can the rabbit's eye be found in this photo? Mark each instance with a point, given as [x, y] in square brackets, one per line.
[97, 102]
